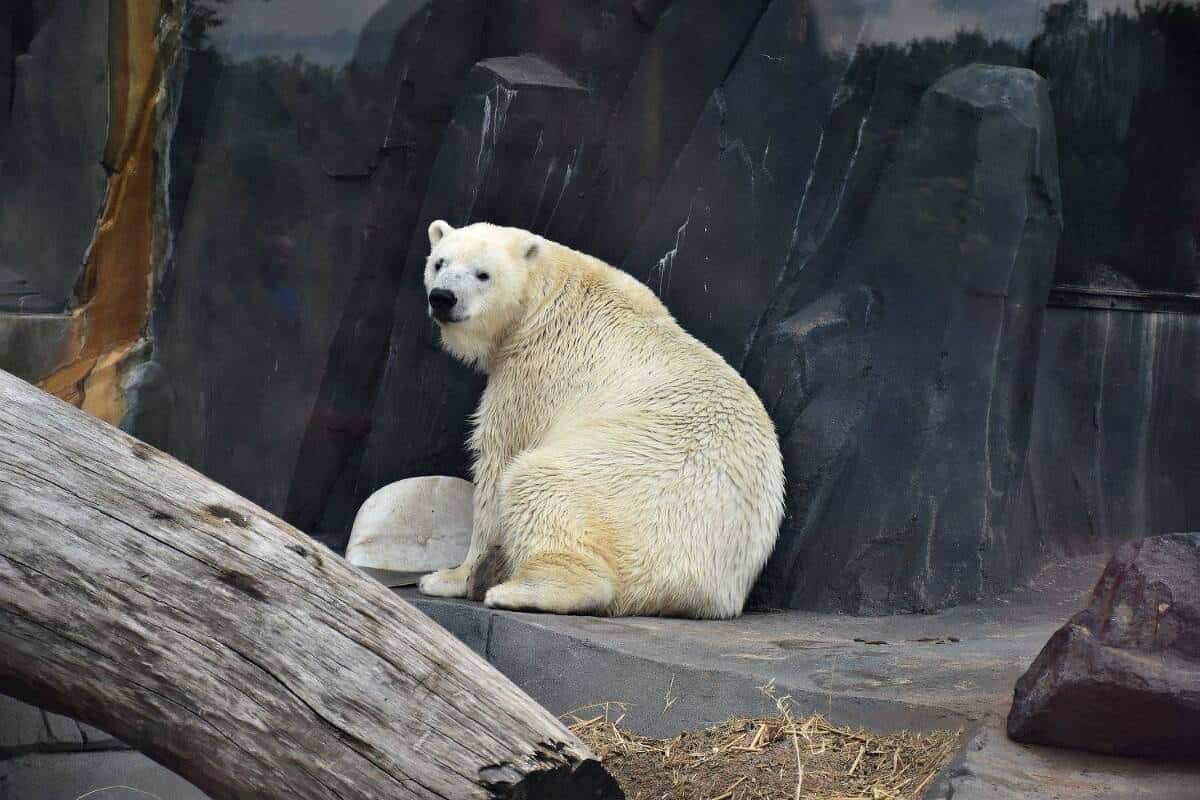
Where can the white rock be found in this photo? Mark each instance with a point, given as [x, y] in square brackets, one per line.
[411, 527]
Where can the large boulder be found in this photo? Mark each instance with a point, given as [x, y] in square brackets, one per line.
[1123, 675]
[900, 374]
[411, 527]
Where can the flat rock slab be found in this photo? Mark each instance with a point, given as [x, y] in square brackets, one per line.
[888, 673]
[992, 767]
[1123, 675]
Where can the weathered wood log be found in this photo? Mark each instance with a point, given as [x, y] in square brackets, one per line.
[141, 597]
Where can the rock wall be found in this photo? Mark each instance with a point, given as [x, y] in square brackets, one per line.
[296, 182]
[323, 483]
[1113, 449]
[56, 129]
[718, 237]
[901, 375]
[212, 225]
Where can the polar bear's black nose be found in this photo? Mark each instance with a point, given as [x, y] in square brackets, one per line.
[442, 301]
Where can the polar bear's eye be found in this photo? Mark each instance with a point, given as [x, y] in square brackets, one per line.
[483, 276]
[437, 266]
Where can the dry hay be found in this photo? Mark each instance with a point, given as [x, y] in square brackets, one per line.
[765, 759]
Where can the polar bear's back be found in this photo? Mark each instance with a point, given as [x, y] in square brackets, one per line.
[669, 440]
[650, 358]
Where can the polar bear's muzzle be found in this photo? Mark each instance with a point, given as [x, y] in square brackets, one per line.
[442, 303]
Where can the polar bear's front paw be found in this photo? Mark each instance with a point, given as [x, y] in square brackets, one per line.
[445, 583]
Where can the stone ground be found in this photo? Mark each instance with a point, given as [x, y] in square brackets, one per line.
[949, 670]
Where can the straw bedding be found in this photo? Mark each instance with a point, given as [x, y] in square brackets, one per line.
[765, 759]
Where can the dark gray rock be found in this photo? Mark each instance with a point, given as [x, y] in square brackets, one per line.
[1123, 675]
[437, 58]
[900, 376]
[1112, 452]
[381, 75]
[692, 46]
[509, 151]
[250, 303]
[54, 181]
[597, 43]
[648, 11]
[292, 204]
[149, 399]
[718, 238]
[507, 156]
[53, 129]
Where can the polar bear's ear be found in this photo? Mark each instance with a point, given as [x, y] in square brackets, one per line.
[531, 249]
[438, 229]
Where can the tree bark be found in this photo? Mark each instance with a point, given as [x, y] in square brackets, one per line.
[145, 599]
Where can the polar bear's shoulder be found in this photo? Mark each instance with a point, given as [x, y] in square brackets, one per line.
[637, 293]
[607, 277]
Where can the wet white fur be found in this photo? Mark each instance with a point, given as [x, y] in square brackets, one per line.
[623, 467]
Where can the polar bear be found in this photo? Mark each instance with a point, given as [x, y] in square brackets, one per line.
[621, 466]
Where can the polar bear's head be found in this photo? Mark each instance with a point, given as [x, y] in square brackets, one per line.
[476, 284]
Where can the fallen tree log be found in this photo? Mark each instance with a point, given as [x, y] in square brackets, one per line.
[145, 599]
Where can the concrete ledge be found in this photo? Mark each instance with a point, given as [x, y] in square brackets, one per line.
[992, 767]
[915, 672]
[26, 729]
[101, 776]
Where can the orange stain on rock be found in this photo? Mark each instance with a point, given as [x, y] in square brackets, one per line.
[114, 293]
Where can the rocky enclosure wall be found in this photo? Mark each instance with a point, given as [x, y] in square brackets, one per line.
[955, 247]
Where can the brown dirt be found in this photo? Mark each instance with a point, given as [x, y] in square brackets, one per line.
[767, 758]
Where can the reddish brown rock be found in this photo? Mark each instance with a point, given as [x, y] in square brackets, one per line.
[1123, 675]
